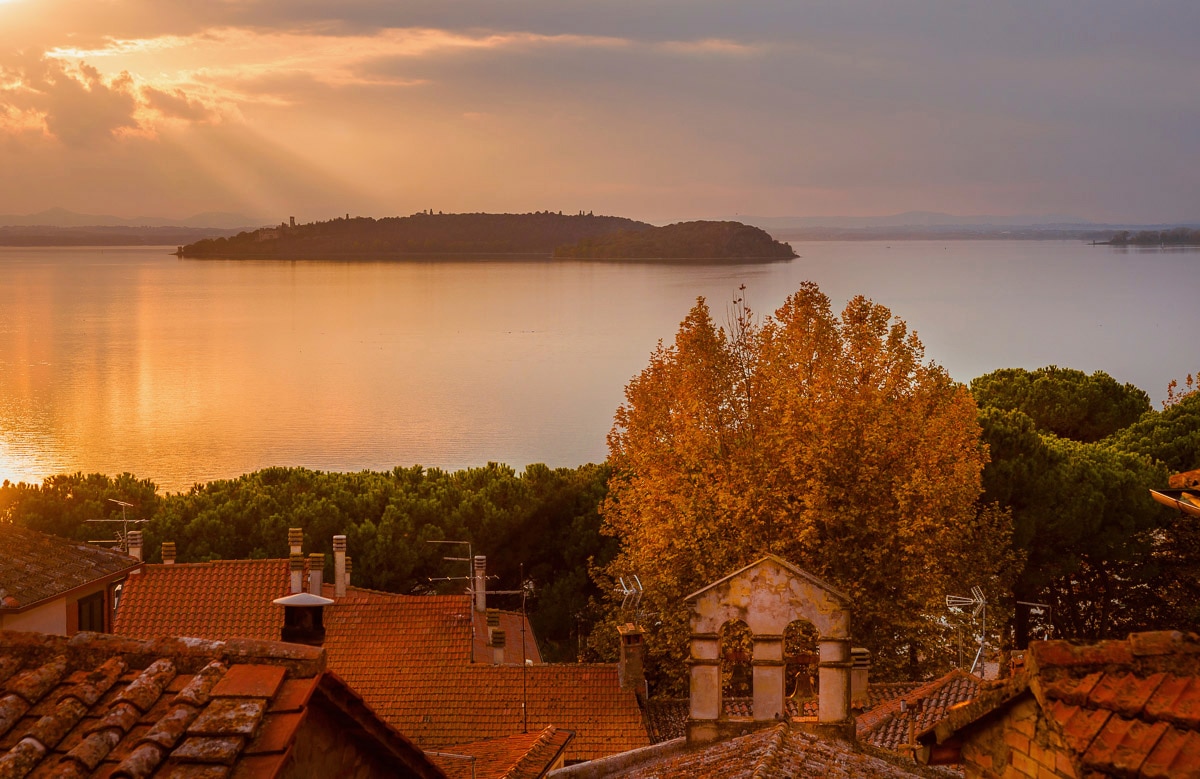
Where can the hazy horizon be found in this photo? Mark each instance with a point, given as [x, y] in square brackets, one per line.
[657, 111]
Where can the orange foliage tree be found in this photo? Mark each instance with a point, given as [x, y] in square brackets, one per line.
[826, 440]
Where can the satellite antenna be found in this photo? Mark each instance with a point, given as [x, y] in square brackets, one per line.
[122, 540]
[978, 605]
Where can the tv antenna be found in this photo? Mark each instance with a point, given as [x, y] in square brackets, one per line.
[978, 605]
[1045, 614]
[122, 540]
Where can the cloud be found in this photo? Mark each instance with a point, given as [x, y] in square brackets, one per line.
[75, 103]
[176, 104]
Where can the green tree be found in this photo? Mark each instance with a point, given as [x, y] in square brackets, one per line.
[1063, 401]
[827, 440]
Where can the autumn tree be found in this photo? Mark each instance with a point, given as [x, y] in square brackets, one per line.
[826, 440]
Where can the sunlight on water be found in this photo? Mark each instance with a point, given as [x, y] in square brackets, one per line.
[182, 371]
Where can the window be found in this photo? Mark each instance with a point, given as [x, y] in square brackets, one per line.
[91, 612]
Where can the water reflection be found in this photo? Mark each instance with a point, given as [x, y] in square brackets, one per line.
[183, 371]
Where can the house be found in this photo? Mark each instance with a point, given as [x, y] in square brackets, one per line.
[896, 724]
[1127, 708]
[97, 705]
[765, 740]
[445, 670]
[53, 585]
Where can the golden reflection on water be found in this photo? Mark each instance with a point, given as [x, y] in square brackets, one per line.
[129, 360]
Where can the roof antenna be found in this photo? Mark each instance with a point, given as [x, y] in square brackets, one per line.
[978, 605]
[121, 542]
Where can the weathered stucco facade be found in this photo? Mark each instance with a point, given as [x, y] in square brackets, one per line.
[767, 596]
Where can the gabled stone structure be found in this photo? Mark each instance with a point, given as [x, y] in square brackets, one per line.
[767, 595]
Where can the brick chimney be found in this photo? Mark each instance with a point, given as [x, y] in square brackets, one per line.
[316, 572]
[134, 542]
[341, 578]
[168, 552]
[296, 568]
[630, 667]
[480, 588]
[295, 541]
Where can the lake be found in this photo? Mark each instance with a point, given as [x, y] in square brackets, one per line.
[184, 371]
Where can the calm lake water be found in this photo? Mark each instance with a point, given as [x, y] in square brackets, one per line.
[184, 371]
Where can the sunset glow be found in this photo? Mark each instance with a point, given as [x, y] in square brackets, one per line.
[684, 110]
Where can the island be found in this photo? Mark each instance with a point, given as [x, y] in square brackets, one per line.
[1178, 236]
[539, 235]
[682, 241]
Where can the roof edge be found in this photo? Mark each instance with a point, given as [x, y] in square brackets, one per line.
[791, 567]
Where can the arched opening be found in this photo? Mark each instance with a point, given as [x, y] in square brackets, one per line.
[800, 656]
[736, 646]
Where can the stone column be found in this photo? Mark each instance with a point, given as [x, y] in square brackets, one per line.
[705, 677]
[833, 695]
[768, 678]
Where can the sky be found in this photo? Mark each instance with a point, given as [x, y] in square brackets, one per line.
[653, 109]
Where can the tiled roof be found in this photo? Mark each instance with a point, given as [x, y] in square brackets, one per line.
[521, 756]
[36, 566]
[783, 750]
[442, 706]
[97, 706]
[900, 720]
[1123, 708]
[409, 656]
[666, 718]
[218, 600]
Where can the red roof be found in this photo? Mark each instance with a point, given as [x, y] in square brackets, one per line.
[37, 566]
[899, 721]
[520, 756]
[782, 750]
[97, 705]
[409, 656]
[1123, 708]
[440, 706]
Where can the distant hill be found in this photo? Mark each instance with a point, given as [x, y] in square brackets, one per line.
[60, 217]
[682, 241]
[424, 234]
[42, 235]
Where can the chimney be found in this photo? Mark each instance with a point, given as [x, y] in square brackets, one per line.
[168, 552]
[860, 668]
[296, 566]
[316, 572]
[134, 541]
[303, 616]
[349, 570]
[296, 540]
[630, 669]
[480, 583]
[497, 647]
[340, 577]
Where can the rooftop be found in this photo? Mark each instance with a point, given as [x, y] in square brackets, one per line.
[37, 566]
[520, 756]
[1126, 708]
[97, 705]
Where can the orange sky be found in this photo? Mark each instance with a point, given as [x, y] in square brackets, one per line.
[659, 109]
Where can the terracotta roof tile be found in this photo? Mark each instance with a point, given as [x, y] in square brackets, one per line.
[110, 704]
[421, 662]
[901, 720]
[1123, 708]
[520, 756]
[36, 566]
[250, 681]
[781, 750]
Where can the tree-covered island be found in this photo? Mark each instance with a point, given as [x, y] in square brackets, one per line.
[1176, 236]
[538, 235]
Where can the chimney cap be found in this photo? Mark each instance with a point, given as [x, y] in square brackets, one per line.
[303, 599]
